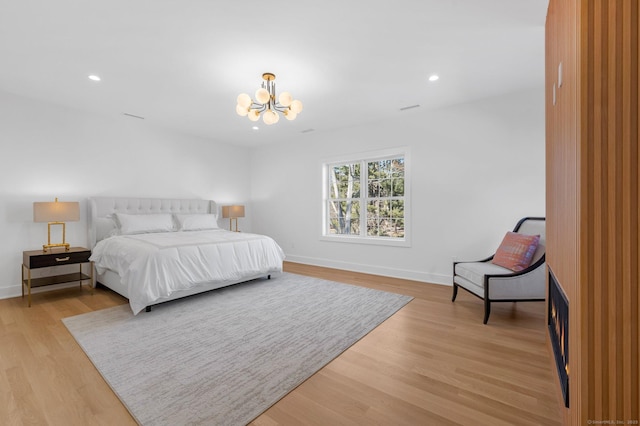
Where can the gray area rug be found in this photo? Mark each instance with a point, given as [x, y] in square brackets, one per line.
[224, 357]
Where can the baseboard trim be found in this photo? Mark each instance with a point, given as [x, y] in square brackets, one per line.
[372, 269]
[14, 291]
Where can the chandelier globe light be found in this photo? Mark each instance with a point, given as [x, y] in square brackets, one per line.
[265, 104]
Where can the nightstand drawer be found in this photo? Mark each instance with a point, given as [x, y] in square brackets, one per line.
[38, 259]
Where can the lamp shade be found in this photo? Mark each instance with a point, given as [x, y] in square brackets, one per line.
[241, 111]
[232, 211]
[285, 99]
[262, 96]
[56, 211]
[270, 117]
[244, 100]
[296, 106]
[290, 114]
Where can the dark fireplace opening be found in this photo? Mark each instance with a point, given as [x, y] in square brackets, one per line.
[558, 322]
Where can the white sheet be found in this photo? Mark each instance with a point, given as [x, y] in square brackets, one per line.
[153, 266]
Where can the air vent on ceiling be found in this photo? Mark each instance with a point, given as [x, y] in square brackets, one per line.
[134, 116]
[409, 107]
[308, 131]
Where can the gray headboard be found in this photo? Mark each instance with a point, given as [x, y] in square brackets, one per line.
[101, 209]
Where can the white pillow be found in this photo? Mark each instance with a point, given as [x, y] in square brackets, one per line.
[141, 223]
[197, 222]
[105, 227]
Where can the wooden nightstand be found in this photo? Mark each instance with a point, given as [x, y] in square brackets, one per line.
[38, 259]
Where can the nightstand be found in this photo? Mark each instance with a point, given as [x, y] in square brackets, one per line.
[35, 259]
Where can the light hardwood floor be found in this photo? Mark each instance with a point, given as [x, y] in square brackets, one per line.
[432, 363]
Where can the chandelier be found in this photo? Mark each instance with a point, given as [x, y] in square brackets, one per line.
[265, 103]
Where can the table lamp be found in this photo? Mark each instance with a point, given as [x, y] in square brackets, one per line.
[233, 213]
[56, 213]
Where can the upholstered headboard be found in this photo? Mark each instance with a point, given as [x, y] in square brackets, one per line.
[101, 209]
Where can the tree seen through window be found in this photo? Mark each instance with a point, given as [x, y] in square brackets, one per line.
[366, 198]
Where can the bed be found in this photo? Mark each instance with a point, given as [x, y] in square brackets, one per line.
[152, 250]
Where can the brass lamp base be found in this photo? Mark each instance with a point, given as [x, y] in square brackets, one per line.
[64, 244]
[231, 219]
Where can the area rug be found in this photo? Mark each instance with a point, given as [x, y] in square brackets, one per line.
[224, 357]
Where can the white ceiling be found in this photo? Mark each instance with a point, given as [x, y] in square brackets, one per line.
[182, 63]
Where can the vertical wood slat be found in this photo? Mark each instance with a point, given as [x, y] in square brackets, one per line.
[634, 222]
[597, 231]
[588, 355]
[592, 150]
[616, 144]
[603, 148]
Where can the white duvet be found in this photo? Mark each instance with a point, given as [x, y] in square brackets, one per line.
[153, 266]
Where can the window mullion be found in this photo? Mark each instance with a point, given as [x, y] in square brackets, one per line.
[364, 196]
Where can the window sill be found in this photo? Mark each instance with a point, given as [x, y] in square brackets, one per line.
[395, 242]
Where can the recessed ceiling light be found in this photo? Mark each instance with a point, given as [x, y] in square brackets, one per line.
[256, 128]
[434, 77]
[94, 77]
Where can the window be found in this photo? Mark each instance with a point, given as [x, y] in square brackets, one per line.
[365, 199]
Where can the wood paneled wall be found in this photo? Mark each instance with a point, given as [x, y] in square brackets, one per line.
[593, 191]
[562, 171]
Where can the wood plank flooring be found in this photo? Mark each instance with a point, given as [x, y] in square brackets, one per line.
[432, 363]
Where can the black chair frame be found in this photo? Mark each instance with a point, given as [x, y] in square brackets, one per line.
[487, 300]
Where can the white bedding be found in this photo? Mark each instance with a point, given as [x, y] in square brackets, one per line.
[153, 266]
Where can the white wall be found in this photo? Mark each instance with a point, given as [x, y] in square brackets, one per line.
[50, 151]
[476, 169]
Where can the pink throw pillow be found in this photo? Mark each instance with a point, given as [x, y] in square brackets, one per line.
[516, 251]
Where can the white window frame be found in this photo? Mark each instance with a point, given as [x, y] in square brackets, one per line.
[365, 157]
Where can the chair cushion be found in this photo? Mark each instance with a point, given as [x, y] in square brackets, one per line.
[516, 251]
[475, 271]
